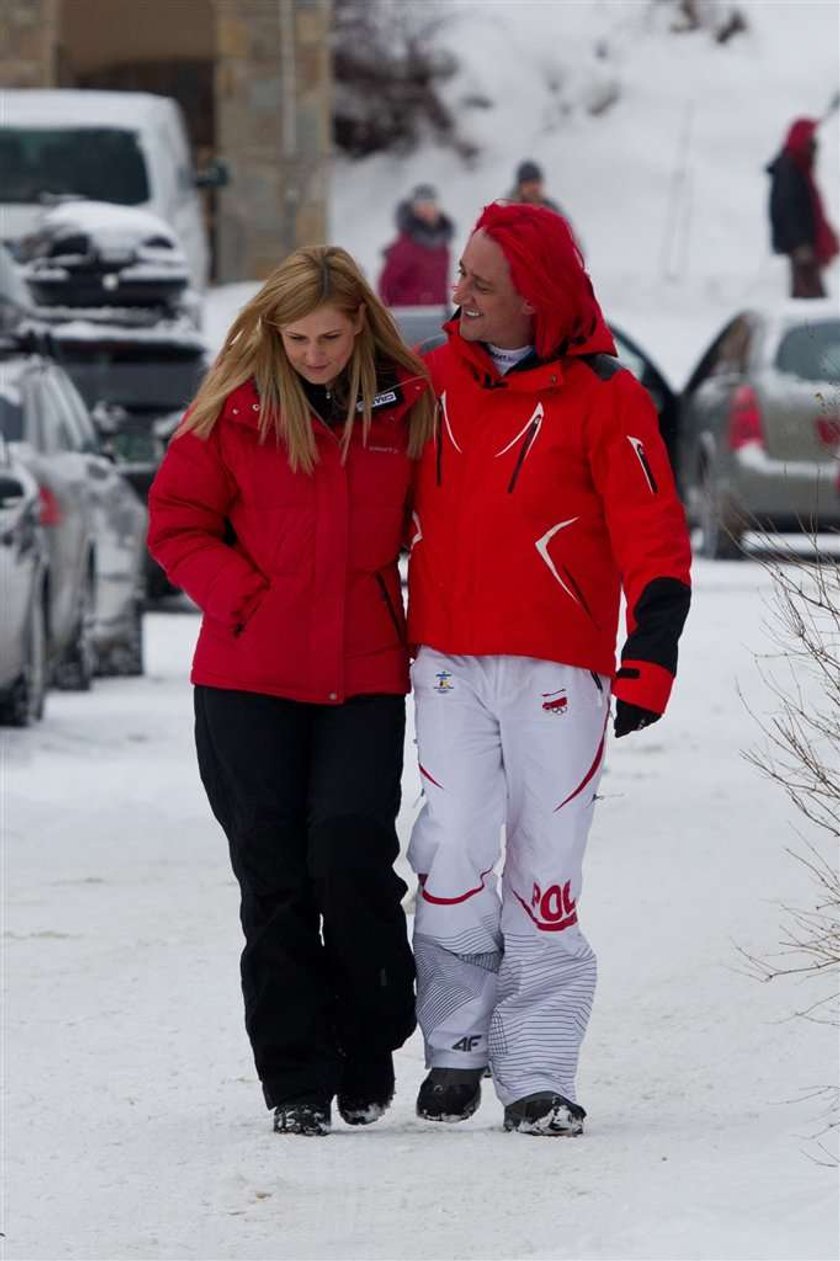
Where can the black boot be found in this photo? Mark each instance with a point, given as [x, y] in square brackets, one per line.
[310, 1115]
[545, 1113]
[450, 1094]
[367, 1088]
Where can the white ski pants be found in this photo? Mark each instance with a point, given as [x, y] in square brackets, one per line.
[505, 977]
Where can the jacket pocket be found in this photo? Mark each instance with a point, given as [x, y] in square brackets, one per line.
[396, 617]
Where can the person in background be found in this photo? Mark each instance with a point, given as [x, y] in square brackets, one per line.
[529, 190]
[798, 224]
[529, 187]
[546, 494]
[280, 509]
[417, 263]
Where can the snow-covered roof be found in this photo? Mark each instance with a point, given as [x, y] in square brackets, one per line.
[109, 223]
[74, 108]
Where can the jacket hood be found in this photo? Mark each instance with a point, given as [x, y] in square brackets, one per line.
[548, 271]
[799, 141]
[420, 231]
[535, 372]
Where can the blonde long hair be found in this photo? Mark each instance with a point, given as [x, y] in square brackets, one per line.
[307, 279]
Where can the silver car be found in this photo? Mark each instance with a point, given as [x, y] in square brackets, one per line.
[93, 521]
[23, 586]
[759, 427]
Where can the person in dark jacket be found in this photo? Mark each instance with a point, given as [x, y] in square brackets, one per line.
[546, 495]
[416, 270]
[529, 187]
[799, 227]
[529, 190]
[280, 509]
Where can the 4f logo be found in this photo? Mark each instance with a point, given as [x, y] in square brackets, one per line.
[551, 909]
[467, 1043]
[443, 681]
[555, 702]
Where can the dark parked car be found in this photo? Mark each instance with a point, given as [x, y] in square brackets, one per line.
[759, 427]
[23, 583]
[94, 522]
[136, 440]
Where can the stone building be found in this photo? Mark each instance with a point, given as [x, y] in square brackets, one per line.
[253, 78]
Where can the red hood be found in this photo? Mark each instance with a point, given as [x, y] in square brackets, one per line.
[547, 269]
[546, 371]
[799, 141]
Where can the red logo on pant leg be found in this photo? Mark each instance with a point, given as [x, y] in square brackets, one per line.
[555, 702]
[551, 909]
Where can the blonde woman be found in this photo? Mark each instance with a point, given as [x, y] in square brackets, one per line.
[280, 508]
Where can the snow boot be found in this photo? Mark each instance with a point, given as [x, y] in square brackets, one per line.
[310, 1115]
[545, 1113]
[450, 1094]
[366, 1089]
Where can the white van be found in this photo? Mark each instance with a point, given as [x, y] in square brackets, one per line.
[129, 148]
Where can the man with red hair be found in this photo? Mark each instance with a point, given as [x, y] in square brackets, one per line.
[546, 492]
[798, 224]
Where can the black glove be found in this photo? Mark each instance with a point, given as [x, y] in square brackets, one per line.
[632, 718]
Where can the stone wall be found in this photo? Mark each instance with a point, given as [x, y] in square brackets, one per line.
[274, 127]
[28, 43]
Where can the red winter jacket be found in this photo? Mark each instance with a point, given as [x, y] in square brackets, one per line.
[416, 271]
[546, 491]
[295, 573]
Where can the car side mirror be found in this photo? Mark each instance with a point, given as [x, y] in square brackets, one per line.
[108, 417]
[216, 174]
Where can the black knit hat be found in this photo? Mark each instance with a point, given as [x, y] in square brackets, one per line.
[528, 171]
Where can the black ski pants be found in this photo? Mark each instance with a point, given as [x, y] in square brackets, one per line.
[308, 796]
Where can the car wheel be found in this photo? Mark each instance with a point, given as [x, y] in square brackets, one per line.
[720, 539]
[25, 702]
[127, 658]
[74, 669]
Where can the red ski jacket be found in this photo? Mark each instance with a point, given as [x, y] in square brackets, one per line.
[546, 491]
[415, 274]
[295, 573]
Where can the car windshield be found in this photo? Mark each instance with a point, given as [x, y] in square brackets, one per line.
[102, 163]
[811, 352]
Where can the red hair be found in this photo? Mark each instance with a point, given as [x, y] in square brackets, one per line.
[547, 270]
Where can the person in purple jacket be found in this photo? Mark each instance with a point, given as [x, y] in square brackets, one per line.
[416, 270]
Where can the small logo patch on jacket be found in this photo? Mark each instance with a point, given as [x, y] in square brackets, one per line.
[385, 399]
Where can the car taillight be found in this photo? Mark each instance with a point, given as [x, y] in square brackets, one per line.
[50, 513]
[744, 419]
[828, 431]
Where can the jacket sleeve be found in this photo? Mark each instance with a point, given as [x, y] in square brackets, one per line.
[188, 525]
[649, 539]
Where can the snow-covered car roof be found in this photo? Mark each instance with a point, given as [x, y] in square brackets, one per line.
[109, 225]
[72, 108]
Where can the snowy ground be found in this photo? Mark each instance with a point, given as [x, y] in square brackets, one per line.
[134, 1124]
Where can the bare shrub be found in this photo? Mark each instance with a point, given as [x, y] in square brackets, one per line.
[801, 754]
[387, 68]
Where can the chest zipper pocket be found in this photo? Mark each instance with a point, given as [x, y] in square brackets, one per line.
[530, 435]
